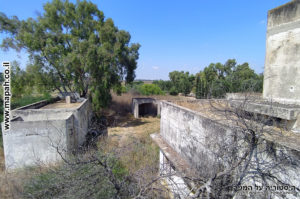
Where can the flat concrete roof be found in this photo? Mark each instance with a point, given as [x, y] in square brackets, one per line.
[61, 104]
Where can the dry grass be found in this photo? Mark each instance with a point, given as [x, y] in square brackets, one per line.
[2, 162]
[10, 186]
[12, 182]
[213, 109]
[127, 136]
[131, 141]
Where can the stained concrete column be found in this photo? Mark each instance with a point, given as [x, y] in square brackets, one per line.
[136, 110]
[158, 108]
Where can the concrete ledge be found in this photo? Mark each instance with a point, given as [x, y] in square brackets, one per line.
[283, 111]
[178, 162]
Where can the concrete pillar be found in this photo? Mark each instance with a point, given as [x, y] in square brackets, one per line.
[136, 110]
[158, 108]
[68, 99]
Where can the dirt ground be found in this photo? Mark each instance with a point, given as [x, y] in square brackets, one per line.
[133, 128]
[129, 138]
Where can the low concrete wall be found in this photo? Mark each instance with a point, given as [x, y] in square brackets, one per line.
[208, 145]
[192, 136]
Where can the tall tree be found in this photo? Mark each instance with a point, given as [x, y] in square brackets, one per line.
[182, 81]
[18, 80]
[76, 48]
[218, 79]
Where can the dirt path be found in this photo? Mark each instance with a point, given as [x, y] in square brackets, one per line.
[133, 128]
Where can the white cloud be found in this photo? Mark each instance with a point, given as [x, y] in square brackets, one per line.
[155, 67]
[263, 22]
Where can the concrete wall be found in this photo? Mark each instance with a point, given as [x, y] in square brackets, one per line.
[82, 116]
[282, 63]
[36, 133]
[208, 145]
[33, 142]
[192, 135]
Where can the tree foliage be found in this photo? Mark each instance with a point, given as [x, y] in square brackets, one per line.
[182, 81]
[73, 47]
[164, 85]
[214, 80]
[217, 79]
[150, 89]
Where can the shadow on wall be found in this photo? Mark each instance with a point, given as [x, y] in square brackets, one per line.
[147, 109]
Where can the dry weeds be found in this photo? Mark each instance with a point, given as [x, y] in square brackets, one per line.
[126, 135]
[131, 139]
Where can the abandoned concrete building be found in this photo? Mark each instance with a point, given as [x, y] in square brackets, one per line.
[145, 106]
[41, 132]
[200, 138]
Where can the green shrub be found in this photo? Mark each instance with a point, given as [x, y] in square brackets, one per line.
[123, 89]
[173, 91]
[150, 89]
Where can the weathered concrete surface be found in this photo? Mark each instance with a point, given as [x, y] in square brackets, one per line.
[36, 134]
[192, 136]
[34, 142]
[282, 63]
[207, 144]
[283, 111]
[179, 163]
[288, 114]
[243, 96]
[146, 105]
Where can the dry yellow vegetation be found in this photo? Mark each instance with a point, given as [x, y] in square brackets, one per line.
[130, 140]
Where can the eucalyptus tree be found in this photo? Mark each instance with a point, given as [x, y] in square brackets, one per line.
[74, 48]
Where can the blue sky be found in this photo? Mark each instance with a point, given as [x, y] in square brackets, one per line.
[176, 34]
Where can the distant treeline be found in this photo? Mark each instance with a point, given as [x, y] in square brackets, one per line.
[214, 80]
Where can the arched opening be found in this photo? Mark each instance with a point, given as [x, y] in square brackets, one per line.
[147, 109]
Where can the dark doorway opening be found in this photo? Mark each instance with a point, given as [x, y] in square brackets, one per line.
[147, 109]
